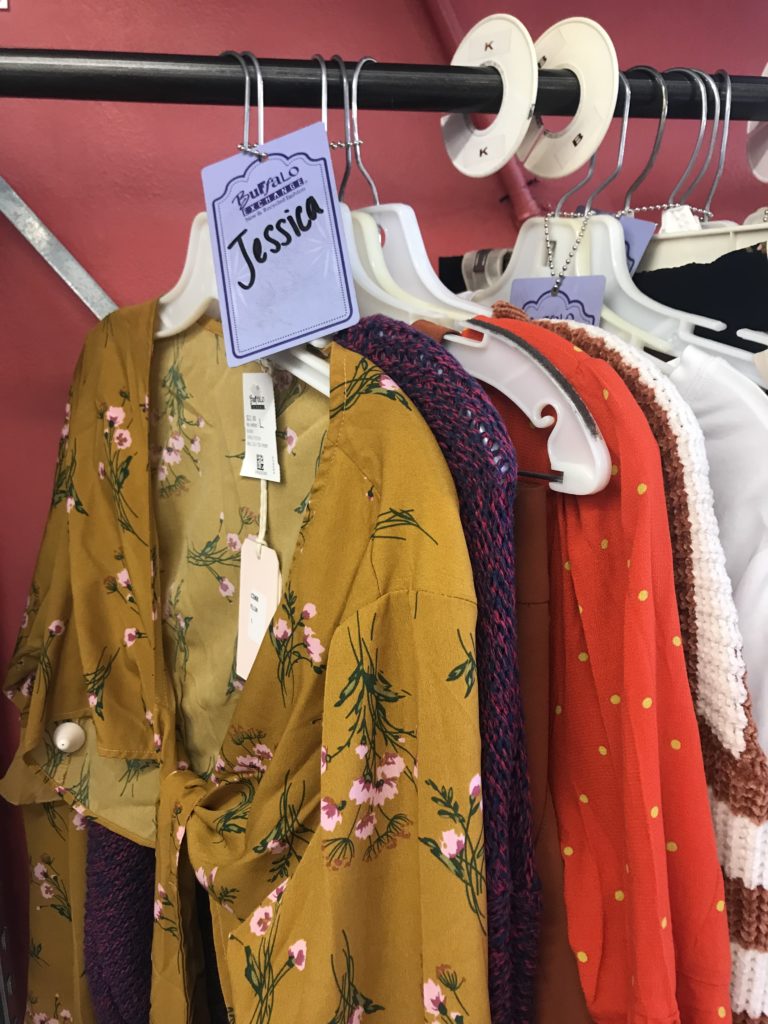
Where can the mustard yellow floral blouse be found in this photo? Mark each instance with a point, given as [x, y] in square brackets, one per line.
[330, 803]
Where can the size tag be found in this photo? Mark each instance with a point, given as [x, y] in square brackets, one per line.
[260, 460]
[637, 235]
[577, 298]
[279, 250]
[260, 589]
[679, 218]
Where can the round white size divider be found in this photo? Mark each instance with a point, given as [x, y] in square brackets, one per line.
[582, 46]
[502, 42]
[757, 145]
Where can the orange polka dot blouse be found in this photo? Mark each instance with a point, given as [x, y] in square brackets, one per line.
[643, 888]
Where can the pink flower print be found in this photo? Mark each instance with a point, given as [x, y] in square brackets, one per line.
[149, 716]
[176, 441]
[162, 473]
[171, 456]
[158, 909]
[102, 471]
[392, 767]
[226, 587]
[123, 578]
[182, 766]
[115, 415]
[161, 890]
[233, 542]
[297, 955]
[25, 620]
[40, 871]
[330, 815]
[291, 437]
[47, 891]
[200, 422]
[383, 790]
[356, 1017]
[277, 847]
[237, 684]
[70, 504]
[274, 896]
[194, 445]
[122, 439]
[28, 685]
[365, 826]
[434, 1000]
[179, 834]
[201, 877]
[452, 844]
[261, 919]
[309, 611]
[56, 628]
[475, 787]
[157, 741]
[281, 629]
[65, 432]
[387, 383]
[313, 645]
[220, 764]
[93, 700]
[130, 636]
[323, 759]
[360, 791]
[361, 750]
[79, 818]
[65, 1015]
[40, 1018]
[262, 751]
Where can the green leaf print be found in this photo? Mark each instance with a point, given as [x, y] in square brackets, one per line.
[367, 379]
[288, 837]
[134, 769]
[64, 480]
[466, 669]
[52, 888]
[353, 1005]
[398, 519]
[116, 468]
[262, 972]
[222, 552]
[294, 640]
[96, 680]
[177, 625]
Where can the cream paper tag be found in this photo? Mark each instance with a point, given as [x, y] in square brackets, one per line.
[261, 586]
[260, 462]
[679, 218]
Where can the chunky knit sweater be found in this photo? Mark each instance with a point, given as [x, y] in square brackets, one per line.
[481, 459]
[736, 767]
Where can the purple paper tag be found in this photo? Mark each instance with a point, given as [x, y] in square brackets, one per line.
[279, 250]
[577, 298]
[637, 235]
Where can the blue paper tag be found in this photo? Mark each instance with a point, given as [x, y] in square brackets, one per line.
[279, 251]
[637, 235]
[577, 298]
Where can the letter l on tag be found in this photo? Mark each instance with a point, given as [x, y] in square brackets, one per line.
[260, 588]
[260, 460]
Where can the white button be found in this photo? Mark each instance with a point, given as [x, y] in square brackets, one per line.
[69, 737]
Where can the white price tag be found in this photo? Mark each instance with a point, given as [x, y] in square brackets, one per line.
[679, 218]
[260, 460]
[260, 588]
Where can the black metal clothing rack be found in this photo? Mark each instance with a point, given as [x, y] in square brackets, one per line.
[178, 78]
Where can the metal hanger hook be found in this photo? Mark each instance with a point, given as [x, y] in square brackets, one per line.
[712, 86]
[723, 142]
[347, 143]
[259, 101]
[622, 144]
[699, 83]
[356, 140]
[664, 93]
[245, 146]
[323, 88]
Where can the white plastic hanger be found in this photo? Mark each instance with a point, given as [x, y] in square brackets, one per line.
[195, 293]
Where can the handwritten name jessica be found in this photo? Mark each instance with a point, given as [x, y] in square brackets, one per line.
[276, 236]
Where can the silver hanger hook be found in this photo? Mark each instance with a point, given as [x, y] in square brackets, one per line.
[664, 92]
[347, 143]
[356, 140]
[699, 83]
[622, 144]
[323, 88]
[259, 97]
[575, 188]
[723, 142]
[712, 85]
[245, 146]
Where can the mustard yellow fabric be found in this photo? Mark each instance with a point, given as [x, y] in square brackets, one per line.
[330, 803]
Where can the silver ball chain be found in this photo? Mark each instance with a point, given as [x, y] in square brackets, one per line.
[706, 214]
[559, 278]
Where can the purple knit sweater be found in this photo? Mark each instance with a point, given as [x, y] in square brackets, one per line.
[482, 461]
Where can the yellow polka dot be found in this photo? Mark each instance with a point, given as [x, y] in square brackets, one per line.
[654, 811]
[720, 906]
[567, 851]
[647, 702]
[664, 922]
[583, 656]
[558, 709]
[642, 488]
[602, 751]
[582, 957]
[675, 744]
[626, 868]
[643, 595]
[721, 1011]
[605, 393]
[580, 610]
[567, 566]
[615, 698]
[614, 470]
[583, 798]
[618, 895]
[677, 641]
[577, 349]
[629, 562]
[604, 543]
[671, 847]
